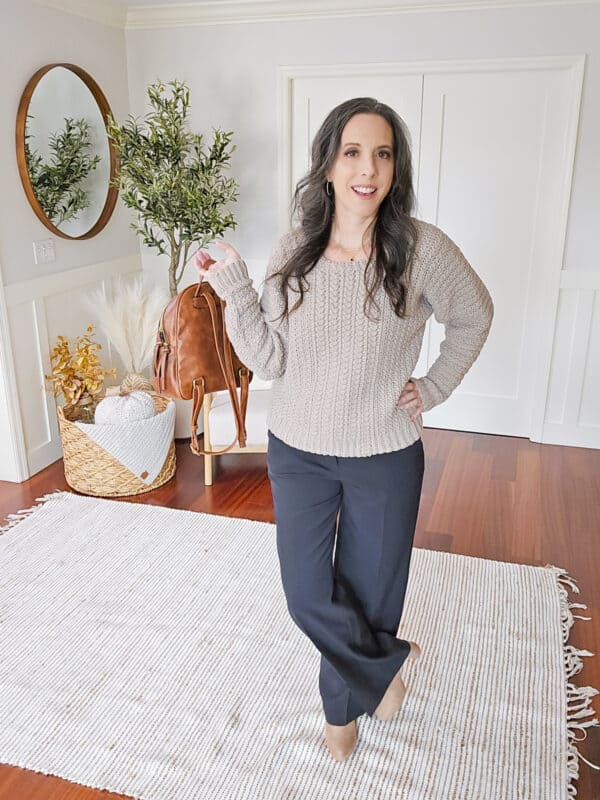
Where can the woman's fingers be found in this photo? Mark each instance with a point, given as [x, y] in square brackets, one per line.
[410, 398]
[408, 392]
[204, 261]
[227, 247]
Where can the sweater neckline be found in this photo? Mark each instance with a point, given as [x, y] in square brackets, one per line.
[347, 261]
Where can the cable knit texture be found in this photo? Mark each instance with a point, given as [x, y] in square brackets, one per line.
[336, 374]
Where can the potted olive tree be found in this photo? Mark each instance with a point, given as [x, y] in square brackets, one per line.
[174, 185]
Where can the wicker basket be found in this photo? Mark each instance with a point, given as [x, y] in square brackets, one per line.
[89, 469]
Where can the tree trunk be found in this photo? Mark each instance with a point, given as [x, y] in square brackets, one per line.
[175, 252]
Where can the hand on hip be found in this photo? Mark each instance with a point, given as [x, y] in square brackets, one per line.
[410, 399]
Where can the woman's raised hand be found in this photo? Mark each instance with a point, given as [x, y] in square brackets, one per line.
[205, 263]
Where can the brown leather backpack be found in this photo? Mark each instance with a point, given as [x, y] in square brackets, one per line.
[193, 356]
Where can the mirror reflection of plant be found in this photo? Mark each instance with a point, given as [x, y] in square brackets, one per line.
[57, 184]
[174, 186]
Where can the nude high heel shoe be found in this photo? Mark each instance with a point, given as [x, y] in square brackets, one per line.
[341, 739]
[391, 701]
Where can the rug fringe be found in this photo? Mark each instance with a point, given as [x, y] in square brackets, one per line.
[15, 519]
[579, 698]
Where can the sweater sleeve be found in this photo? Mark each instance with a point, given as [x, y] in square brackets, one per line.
[259, 342]
[459, 299]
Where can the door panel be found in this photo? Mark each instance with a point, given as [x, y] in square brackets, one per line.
[492, 168]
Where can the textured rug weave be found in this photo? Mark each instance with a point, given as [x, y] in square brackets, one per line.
[149, 651]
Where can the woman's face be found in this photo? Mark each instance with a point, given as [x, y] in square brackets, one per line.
[365, 159]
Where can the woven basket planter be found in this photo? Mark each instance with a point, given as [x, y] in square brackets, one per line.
[90, 469]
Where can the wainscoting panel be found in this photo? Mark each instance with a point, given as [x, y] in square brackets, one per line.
[573, 410]
[38, 312]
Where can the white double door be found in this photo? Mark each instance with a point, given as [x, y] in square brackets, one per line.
[492, 147]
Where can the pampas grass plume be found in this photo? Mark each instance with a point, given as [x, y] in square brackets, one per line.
[128, 316]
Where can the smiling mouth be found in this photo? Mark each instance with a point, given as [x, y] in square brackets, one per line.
[364, 193]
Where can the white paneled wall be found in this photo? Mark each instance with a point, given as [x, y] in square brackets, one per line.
[572, 414]
[13, 464]
[38, 311]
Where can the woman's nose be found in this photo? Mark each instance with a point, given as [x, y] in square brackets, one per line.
[368, 167]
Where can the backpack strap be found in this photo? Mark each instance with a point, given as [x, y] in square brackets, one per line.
[226, 363]
[239, 406]
[161, 353]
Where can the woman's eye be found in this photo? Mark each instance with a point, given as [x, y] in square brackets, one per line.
[386, 153]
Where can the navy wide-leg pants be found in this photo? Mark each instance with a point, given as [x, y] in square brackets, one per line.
[349, 604]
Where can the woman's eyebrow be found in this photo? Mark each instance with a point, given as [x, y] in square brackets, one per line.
[378, 146]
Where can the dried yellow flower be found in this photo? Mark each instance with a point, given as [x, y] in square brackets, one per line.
[79, 375]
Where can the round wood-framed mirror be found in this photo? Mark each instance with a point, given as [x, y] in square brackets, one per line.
[66, 160]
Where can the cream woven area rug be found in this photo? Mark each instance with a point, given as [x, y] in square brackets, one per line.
[149, 651]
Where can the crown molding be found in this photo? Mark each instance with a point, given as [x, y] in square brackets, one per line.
[229, 12]
[217, 12]
[105, 11]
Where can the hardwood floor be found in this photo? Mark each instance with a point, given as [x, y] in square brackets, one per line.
[495, 497]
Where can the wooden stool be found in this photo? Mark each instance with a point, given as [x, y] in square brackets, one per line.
[219, 425]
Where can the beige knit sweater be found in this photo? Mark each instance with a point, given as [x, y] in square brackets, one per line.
[336, 374]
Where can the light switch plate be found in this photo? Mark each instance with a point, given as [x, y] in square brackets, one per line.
[43, 251]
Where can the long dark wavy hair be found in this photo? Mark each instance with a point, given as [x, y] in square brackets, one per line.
[393, 234]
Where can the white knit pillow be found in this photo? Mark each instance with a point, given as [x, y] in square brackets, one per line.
[124, 408]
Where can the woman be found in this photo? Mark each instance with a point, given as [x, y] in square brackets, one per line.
[345, 455]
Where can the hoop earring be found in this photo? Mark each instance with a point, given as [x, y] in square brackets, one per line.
[327, 185]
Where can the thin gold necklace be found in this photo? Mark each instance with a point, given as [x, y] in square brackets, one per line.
[349, 250]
